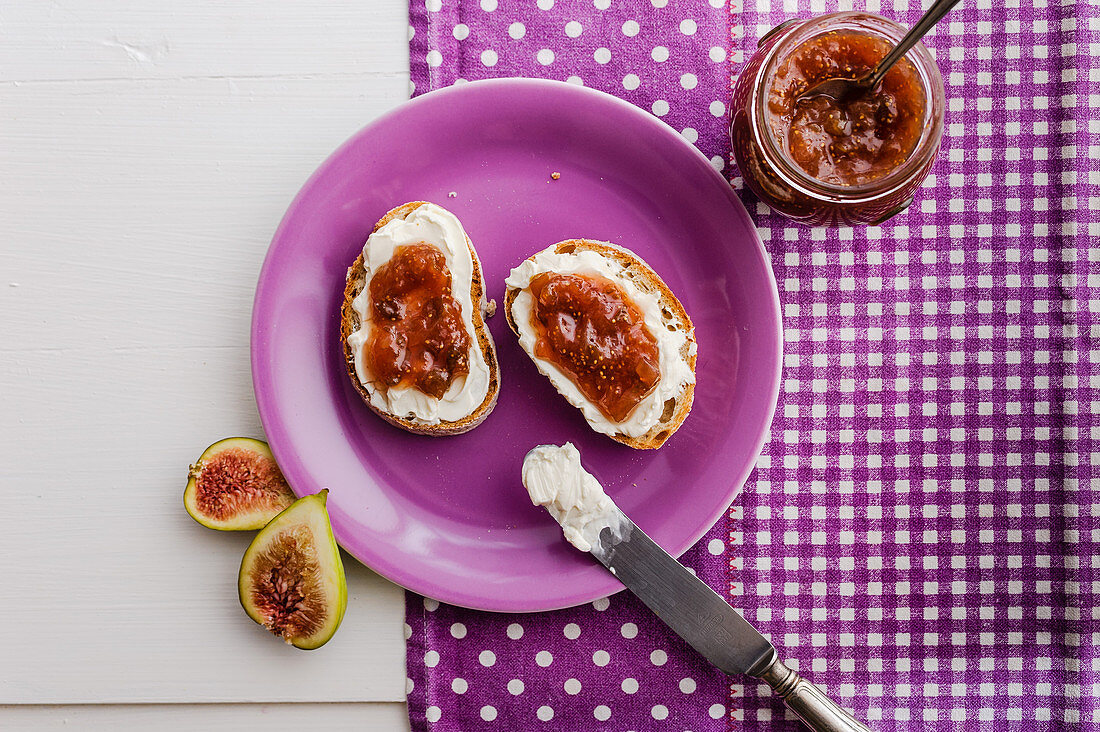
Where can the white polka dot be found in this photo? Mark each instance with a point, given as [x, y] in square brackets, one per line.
[431, 659]
[688, 27]
[602, 713]
[433, 6]
[689, 81]
[717, 54]
[659, 712]
[572, 631]
[716, 711]
[545, 57]
[458, 630]
[460, 80]
[487, 658]
[488, 713]
[688, 686]
[690, 134]
[432, 714]
[459, 686]
[517, 30]
[658, 658]
[461, 32]
[575, 80]
[409, 686]
[515, 687]
[408, 631]
[659, 3]
[602, 56]
[630, 630]
[515, 631]
[602, 4]
[573, 29]
[489, 57]
[488, 5]
[631, 28]
[601, 658]
[659, 54]
[572, 686]
[545, 4]
[630, 685]
[431, 605]
[412, 88]
[543, 658]
[660, 108]
[412, 32]
[545, 713]
[631, 82]
[716, 546]
[717, 109]
[717, 3]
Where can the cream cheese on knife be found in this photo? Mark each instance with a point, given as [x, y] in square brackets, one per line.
[555, 479]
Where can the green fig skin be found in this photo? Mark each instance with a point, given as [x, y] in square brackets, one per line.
[309, 513]
[253, 489]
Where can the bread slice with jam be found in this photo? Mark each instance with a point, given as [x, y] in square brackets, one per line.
[657, 416]
[457, 411]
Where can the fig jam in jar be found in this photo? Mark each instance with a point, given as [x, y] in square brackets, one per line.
[823, 161]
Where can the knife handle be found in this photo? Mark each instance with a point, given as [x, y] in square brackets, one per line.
[819, 712]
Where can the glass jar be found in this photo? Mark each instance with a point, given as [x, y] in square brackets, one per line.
[780, 182]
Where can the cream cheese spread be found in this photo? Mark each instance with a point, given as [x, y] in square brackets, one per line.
[555, 479]
[433, 225]
[676, 372]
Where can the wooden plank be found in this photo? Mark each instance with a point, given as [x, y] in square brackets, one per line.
[147, 153]
[127, 39]
[377, 717]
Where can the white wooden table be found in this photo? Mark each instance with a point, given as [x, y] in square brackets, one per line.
[147, 152]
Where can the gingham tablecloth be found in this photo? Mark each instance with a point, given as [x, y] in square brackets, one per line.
[920, 533]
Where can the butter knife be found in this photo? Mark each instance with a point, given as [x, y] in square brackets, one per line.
[708, 623]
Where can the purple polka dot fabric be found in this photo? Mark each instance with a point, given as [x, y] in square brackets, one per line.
[666, 56]
[920, 534]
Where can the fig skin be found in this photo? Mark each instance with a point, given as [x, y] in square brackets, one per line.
[308, 516]
[248, 516]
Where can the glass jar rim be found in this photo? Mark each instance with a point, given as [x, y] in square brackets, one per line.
[926, 68]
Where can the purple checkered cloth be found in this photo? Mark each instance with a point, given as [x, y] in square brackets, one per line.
[920, 533]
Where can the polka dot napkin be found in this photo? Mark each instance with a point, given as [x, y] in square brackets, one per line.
[920, 534]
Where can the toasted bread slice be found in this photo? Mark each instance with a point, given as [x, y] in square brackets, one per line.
[673, 317]
[350, 322]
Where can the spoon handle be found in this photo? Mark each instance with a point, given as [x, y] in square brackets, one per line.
[929, 19]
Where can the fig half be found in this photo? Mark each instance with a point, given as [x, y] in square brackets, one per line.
[235, 485]
[292, 580]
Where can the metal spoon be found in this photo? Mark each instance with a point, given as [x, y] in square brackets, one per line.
[847, 88]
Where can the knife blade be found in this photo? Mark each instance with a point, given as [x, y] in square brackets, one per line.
[708, 623]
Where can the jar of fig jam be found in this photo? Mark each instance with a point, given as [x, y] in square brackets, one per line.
[822, 161]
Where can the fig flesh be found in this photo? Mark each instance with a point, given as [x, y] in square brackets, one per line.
[235, 485]
[292, 580]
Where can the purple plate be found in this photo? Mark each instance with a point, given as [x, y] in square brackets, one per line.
[449, 517]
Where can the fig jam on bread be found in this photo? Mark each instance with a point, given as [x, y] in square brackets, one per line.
[609, 334]
[588, 327]
[418, 339]
[416, 346]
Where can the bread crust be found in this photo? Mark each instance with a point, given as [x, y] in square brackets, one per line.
[350, 322]
[642, 275]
